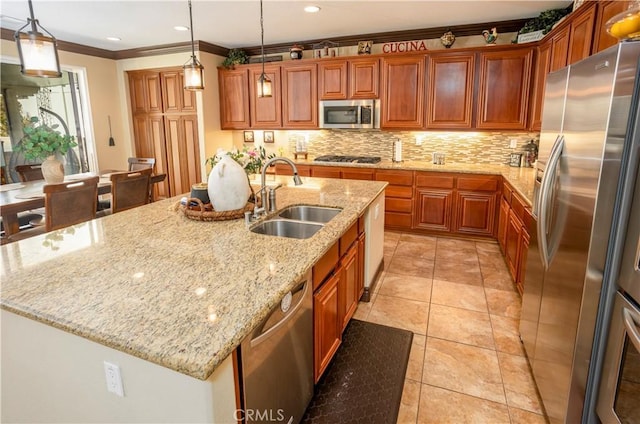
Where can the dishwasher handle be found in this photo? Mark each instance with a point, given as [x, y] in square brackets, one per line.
[292, 311]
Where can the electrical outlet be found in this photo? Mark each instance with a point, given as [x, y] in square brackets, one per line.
[114, 379]
[513, 143]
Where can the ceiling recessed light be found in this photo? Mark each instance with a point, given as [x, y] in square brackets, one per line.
[114, 38]
[312, 9]
[181, 28]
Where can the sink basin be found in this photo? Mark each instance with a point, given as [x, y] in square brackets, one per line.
[285, 228]
[309, 213]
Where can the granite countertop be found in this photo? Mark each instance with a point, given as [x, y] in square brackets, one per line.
[522, 179]
[176, 292]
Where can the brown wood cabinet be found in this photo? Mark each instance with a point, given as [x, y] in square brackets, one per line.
[282, 169]
[450, 90]
[581, 35]
[165, 127]
[476, 203]
[300, 96]
[559, 49]
[542, 67]
[332, 80]
[514, 223]
[348, 289]
[503, 93]
[606, 11]
[361, 254]
[357, 174]
[398, 198]
[402, 105]
[325, 172]
[265, 112]
[327, 325]
[434, 199]
[364, 78]
[233, 85]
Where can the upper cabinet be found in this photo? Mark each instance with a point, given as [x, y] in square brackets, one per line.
[543, 64]
[572, 39]
[450, 90]
[146, 94]
[364, 78]
[300, 96]
[503, 92]
[402, 101]
[234, 98]
[332, 80]
[175, 98]
[357, 78]
[265, 112]
[606, 11]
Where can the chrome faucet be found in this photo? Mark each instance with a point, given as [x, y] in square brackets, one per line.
[271, 207]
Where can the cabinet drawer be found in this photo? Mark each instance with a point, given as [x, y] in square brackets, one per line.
[348, 238]
[397, 220]
[357, 174]
[433, 180]
[397, 205]
[478, 183]
[282, 169]
[325, 172]
[325, 265]
[401, 178]
[398, 191]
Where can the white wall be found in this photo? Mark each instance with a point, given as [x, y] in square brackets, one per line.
[49, 375]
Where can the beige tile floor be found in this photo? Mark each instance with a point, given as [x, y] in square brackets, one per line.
[467, 364]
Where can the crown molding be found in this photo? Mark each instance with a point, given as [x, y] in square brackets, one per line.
[203, 46]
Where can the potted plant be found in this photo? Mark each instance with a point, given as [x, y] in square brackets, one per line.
[43, 142]
[235, 57]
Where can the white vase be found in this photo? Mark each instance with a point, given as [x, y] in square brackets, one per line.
[228, 185]
[52, 170]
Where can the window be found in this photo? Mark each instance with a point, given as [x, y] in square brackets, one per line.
[55, 101]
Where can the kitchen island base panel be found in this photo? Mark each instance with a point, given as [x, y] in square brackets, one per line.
[49, 375]
[366, 295]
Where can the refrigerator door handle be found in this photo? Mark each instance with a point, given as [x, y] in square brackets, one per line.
[543, 199]
[632, 327]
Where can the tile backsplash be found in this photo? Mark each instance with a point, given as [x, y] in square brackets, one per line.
[459, 147]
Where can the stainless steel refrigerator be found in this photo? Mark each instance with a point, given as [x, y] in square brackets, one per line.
[587, 111]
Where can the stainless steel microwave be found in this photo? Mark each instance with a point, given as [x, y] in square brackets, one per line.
[352, 114]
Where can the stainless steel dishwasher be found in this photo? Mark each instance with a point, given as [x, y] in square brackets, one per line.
[277, 360]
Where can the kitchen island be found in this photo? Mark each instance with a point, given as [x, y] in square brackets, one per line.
[166, 298]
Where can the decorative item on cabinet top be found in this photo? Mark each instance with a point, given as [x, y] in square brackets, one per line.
[490, 37]
[326, 48]
[364, 47]
[448, 39]
[296, 51]
[625, 25]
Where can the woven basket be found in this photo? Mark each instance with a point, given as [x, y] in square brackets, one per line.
[205, 212]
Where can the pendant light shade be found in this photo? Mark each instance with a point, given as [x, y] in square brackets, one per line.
[264, 83]
[193, 70]
[37, 50]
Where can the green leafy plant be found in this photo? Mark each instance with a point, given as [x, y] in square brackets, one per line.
[41, 141]
[235, 57]
[251, 160]
[544, 21]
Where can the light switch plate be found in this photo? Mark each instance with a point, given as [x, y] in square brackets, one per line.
[513, 143]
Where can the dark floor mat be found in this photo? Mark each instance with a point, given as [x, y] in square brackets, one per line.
[364, 382]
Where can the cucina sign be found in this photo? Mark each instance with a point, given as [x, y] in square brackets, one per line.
[404, 46]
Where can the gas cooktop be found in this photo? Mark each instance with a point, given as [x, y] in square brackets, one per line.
[352, 159]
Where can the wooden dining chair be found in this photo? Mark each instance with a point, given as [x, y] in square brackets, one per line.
[29, 172]
[65, 204]
[70, 203]
[136, 164]
[129, 189]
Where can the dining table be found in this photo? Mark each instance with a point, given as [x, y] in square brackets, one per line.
[28, 195]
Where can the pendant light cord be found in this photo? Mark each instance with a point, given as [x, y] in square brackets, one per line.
[261, 37]
[34, 21]
[193, 48]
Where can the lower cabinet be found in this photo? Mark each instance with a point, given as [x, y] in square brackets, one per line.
[338, 283]
[398, 207]
[514, 220]
[433, 209]
[327, 325]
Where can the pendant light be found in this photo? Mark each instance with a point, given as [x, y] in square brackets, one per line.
[38, 52]
[193, 70]
[264, 83]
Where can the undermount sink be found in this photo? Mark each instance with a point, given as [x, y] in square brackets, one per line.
[309, 213]
[287, 228]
